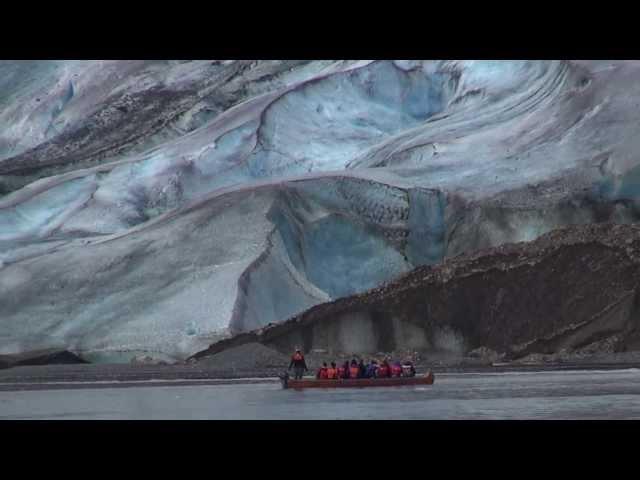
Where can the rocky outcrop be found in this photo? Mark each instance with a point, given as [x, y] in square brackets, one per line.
[573, 289]
[247, 357]
[40, 357]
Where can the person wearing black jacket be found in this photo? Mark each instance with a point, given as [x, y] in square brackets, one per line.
[299, 365]
[363, 369]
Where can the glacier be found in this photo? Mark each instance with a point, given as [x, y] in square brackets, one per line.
[157, 206]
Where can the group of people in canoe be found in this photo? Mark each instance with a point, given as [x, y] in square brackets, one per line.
[354, 369]
[373, 369]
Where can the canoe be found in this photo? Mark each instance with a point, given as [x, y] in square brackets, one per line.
[358, 382]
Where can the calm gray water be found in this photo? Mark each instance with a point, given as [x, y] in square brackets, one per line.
[525, 395]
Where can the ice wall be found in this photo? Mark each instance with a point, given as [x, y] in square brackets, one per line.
[254, 190]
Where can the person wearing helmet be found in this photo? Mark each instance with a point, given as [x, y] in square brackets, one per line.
[298, 363]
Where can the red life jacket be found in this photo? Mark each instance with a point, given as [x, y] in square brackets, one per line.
[322, 373]
[331, 373]
[396, 370]
[354, 371]
[341, 372]
[297, 357]
[383, 371]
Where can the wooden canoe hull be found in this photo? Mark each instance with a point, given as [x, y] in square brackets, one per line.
[361, 382]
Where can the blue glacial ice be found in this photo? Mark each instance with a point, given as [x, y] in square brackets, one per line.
[328, 180]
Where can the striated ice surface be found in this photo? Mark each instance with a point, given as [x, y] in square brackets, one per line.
[159, 205]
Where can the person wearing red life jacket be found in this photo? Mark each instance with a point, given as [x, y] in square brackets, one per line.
[332, 371]
[383, 370]
[322, 372]
[354, 369]
[298, 363]
[396, 370]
